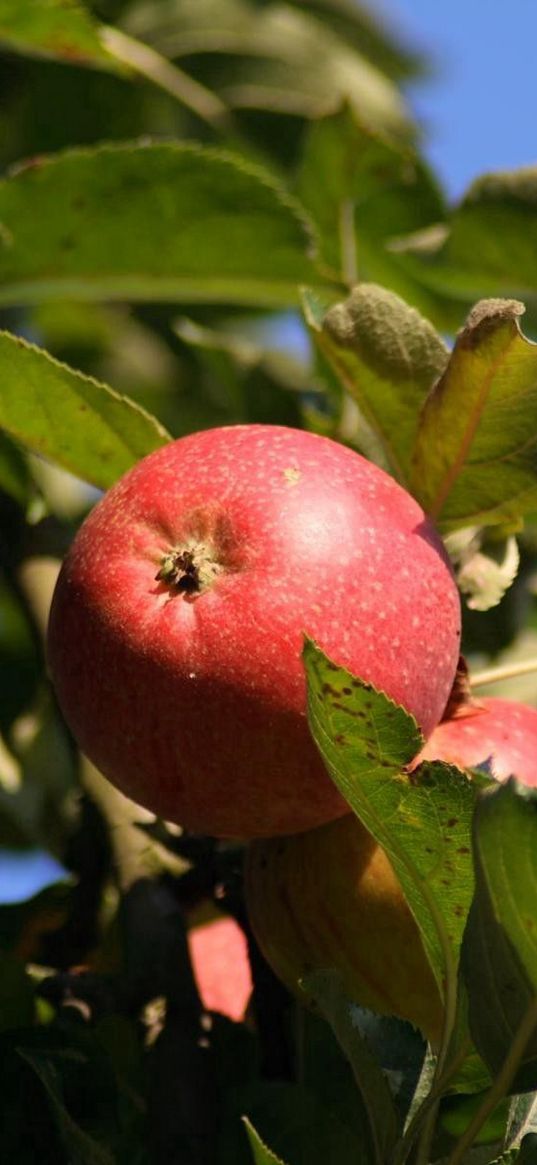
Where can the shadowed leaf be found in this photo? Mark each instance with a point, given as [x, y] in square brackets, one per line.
[500, 943]
[262, 1155]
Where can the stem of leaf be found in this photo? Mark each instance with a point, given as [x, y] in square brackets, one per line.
[148, 63]
[347, 238]
[508, 671]
[423, 1153]
[429, 1106]
[501, 1085]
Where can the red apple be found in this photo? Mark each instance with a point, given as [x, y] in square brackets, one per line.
[176, 627]
[502, 732]
[219, 954]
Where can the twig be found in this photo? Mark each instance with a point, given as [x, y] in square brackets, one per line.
[500, 1086]
[508, 671]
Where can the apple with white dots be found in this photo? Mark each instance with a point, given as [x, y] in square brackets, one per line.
[177, 624]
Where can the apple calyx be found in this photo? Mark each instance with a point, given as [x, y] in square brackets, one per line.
[189, 570]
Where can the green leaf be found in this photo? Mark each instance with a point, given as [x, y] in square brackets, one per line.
[69, 418]
[423, 1086]
[387, 356]
[475, 459]
[61, 29]
[489, 246]
[296, 1124]
[256, 385]
[325, 988]
[522, 1118]
[480, 1155]
[361, 188]
[422, 821]
[15, 478]
[262, 1155]
[528, 1150]
[82, 1149]
[357, 24]
[17, 1001]
[499, 960]
[151, 222]
[272, 57]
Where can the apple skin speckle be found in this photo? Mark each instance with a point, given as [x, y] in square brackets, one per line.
[194, 704]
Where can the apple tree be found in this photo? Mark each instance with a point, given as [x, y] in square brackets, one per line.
[216, 218]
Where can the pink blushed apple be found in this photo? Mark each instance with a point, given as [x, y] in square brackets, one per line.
[177, 623]
[502, 733]
[219, 954]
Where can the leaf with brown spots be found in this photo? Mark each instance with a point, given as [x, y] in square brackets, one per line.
[422, 820]
[60, 29]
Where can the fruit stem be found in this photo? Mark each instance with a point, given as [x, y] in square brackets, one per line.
[507, 671]
[501, 1085]
[423, 1153]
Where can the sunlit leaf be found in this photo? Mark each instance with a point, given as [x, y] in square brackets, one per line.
[69, 418]
[146, 222]
[362, 188]
[387, 357]
[475, 460]
[489, 245]
[61, 29]
[422, 821]
[273, 57]
[522, 1118]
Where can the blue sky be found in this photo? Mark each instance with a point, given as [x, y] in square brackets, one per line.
[479, 112]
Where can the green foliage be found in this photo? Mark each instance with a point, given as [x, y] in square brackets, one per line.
[473, 462]
[261, 1154]
[176, 173]
[500, 953]
[487, 246]
[388, 357]
[337, 1010]
[151, 222]
[55, 29]
[422, 823]
[81, 425]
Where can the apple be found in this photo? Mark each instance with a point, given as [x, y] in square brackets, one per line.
[500, 732]
[219, 954]
[329, 897]
[177, 622]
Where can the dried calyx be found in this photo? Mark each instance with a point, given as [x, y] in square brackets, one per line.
[189, 570]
